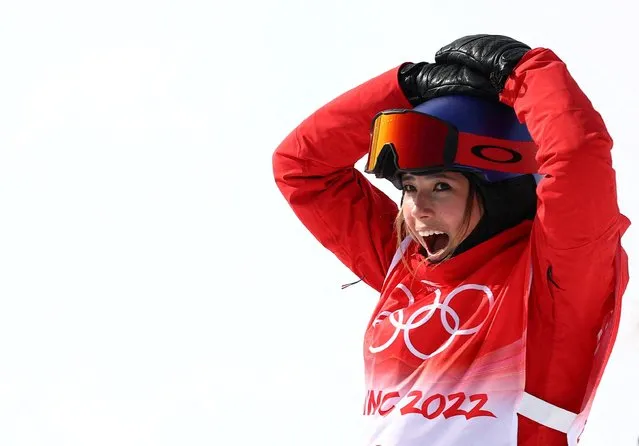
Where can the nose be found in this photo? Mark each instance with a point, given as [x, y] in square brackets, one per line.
[422, 206]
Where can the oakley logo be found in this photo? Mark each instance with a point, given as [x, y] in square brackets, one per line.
[446, 314]
[497, 154]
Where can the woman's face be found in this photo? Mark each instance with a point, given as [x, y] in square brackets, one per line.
[435, 208]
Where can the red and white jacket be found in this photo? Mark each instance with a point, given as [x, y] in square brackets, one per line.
[504, 344]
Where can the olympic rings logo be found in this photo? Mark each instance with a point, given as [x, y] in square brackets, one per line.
[397, 318]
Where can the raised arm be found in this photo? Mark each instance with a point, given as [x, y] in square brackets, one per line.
[314, 170]
[577, 231]
[578, 226]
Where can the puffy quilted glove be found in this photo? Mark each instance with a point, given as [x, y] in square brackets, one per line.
[423, 81]
[493, 55]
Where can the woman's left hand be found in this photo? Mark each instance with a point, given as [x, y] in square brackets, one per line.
[423, 81]
[493, 55]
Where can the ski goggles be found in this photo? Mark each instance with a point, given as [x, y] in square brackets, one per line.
[409, 141]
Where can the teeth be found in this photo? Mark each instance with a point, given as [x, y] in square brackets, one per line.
[427, 233]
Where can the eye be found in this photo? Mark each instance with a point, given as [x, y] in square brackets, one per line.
[408, 188]
[439, 187]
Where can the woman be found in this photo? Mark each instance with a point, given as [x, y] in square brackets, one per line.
[500, 298]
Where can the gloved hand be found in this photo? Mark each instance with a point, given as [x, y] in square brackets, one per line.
[494, 56]
[423, 81]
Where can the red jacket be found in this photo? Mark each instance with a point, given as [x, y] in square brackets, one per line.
[579, 269]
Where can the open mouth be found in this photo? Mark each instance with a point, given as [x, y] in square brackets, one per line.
[436, 242]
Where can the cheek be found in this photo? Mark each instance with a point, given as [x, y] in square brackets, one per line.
[407, 213]
[453, 213]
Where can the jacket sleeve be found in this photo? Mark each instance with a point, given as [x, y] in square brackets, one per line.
[577, 231]
[314, 170]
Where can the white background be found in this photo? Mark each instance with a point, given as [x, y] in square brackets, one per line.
[155, 288]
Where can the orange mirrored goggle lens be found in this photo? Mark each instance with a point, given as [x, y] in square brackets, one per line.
[418, 139]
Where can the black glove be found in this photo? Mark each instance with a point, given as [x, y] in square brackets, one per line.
[494, 56]
[423, 81]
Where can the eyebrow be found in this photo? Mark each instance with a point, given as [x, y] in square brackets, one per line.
[409, 177]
